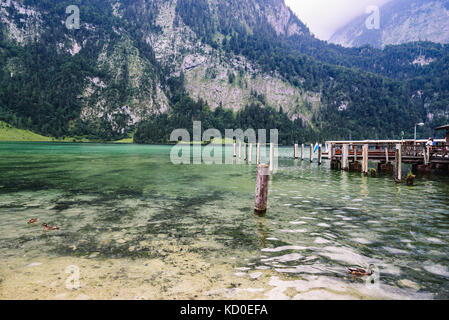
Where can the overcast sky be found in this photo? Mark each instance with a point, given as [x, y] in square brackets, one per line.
[324, 17]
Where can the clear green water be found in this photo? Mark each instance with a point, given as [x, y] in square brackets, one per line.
[319, 221]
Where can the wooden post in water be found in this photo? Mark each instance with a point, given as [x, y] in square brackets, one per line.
[320, 154]
[260, 206]
[240, 149]
[271, 157]
[245, 151]
[311, 153]
[425, 155]
[345, 158]
[235, 150]
[250, 155]
[302, 152]
[398, 164]
[295, 151]
[365, 159]
[258, 153]
[387, 155]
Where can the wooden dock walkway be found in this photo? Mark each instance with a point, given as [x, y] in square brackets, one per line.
[390, 155]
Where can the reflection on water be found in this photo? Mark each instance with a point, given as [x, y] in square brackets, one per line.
[141, 227]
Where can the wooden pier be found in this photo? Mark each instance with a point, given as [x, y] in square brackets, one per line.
[389, 155]
[345, 155]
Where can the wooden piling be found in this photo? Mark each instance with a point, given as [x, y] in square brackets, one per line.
[258, 153]
[425, 156]
[387, 155]
[302, 152]
[295, 151]
[235, 150]
[320, 154]
[240, 149]
[365, 159]
[245, 151]
[345, 158]
[311, 153]
[398, 164]
[271, 157]
[260, 206]
[250, 155]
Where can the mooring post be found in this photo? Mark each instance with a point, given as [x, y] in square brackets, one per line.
[235, 150]
[311, 153]
[345, 157]
[250, 155]
[245, 151]
[425, 155]
[271, 157]
[320, 154]
[365, 159]
[295, 151]
[260, 206]
[398, 164]
[387, 156]
[240, 149]
[428, 154]
[258, 153]
[302, 152]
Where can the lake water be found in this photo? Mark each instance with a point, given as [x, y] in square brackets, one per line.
[135, 226]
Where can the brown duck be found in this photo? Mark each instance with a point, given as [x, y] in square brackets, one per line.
[49, 228]
[31, 221]
[356, 271]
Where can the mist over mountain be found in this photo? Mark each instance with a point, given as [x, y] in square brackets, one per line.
[148, 66]
[401, 21]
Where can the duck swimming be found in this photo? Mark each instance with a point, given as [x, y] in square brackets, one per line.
[49, 228]
[31, 221]
[356, 271]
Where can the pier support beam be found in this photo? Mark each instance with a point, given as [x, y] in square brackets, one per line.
[260, 207]
[345, 157]
[235, 150]
[271, 157]
[295, 151]
[365, 159]
[258, 154]
[250, 154]
[320, 154]
[311, 153]
[245, 151]
[240, 149]
[398, 164]
[335, 164]
[302, 152]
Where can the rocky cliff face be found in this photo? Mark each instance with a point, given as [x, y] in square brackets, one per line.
[401, 21]
[175, 46]
[116, 70]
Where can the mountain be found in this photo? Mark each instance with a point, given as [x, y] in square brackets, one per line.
[150, 66]
[401, 21]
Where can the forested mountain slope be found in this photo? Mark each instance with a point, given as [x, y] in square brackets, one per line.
[158, 64]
